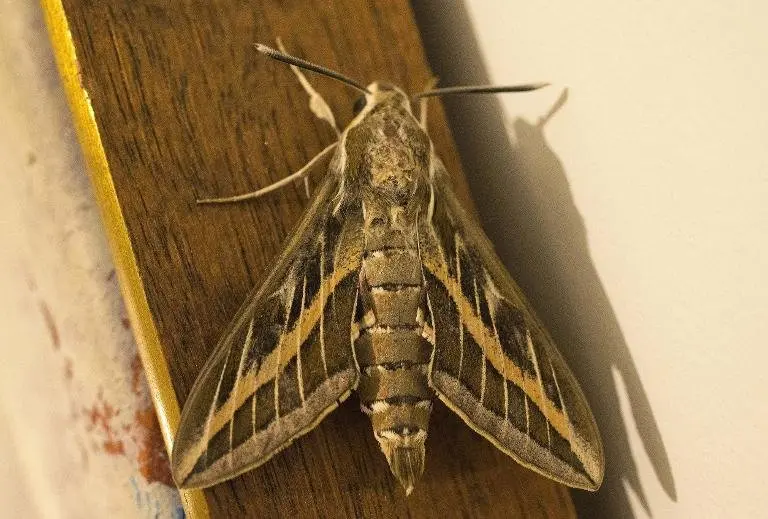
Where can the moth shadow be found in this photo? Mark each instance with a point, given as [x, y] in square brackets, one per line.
[526, 207]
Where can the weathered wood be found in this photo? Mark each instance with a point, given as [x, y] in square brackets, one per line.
[185, 108]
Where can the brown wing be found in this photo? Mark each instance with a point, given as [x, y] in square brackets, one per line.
[494, 364]
[284, 362]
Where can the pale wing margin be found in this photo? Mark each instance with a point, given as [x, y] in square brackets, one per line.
[285, 360]
[494, 364]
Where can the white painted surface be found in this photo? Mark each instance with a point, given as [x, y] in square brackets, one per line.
[77, 436]
[637, 221]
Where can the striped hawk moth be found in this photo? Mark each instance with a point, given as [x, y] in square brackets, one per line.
[387, 288]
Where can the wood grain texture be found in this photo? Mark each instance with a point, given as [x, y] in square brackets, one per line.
[186, 109]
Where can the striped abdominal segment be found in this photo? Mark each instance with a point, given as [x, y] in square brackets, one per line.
[393, 355]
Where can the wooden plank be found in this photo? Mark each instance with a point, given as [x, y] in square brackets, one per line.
[172, 104]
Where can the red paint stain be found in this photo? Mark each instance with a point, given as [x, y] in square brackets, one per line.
[126, 323]
[50, 324]
[114, 447]
[137, 376]
[151, 457]
[141, 436]
[100, 417]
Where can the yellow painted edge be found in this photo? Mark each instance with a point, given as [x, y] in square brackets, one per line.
[163, 395]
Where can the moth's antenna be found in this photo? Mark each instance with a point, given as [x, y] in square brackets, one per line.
[480, 89]
[298, 62]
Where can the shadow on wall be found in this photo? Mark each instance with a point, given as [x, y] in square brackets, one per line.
[525, 204]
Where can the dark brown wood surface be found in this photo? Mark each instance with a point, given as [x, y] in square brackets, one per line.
[186, 108]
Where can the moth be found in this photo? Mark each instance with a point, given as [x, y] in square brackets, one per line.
[387, 288]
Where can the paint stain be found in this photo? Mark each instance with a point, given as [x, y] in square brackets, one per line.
[53, 331]
[151, 457]
[100, 416]
[68, 371]
[137, 376]
[31, 283]
[114, 447]
[139, 438]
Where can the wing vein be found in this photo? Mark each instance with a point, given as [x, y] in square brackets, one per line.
[562, 403]
[542, 395]
[299, 323]
[483, 368]
[527, 420]
[278, 364]
[322, 310]
[212, 410]
[458, 314]
[231, 402]
[354, 330]
[492, 310]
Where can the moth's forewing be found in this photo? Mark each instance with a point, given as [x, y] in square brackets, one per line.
[284, 362]
[494, 363]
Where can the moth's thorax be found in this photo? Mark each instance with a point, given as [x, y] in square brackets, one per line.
[387, 151]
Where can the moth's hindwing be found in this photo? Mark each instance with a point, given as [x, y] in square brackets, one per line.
[494, 364]
[286, 359]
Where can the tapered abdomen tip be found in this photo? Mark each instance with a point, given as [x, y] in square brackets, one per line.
[407, 464]
[405, 455]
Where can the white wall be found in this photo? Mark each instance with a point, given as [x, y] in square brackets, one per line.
[636, 219]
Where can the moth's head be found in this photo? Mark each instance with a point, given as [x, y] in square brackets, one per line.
[381, 93]
[385, 147]
[384, 150]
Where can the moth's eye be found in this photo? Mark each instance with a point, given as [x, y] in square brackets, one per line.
[359, 105]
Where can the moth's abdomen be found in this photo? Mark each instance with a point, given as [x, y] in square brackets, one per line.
[393, 357]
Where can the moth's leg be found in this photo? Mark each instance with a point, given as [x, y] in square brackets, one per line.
[302, 173]
[431, 83]
[316, 102]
